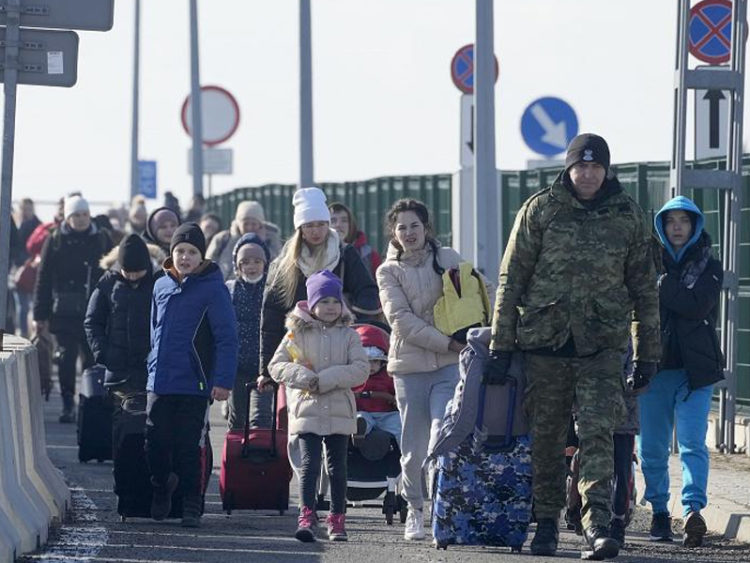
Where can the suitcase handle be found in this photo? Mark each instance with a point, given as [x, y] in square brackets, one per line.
[246, 436]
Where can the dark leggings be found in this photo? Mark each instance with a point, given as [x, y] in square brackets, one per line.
[69, 345]
[311, 446]
[623, 473]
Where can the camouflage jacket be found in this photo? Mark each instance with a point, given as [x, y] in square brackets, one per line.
[572, 270]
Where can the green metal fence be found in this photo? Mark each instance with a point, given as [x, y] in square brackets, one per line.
[370, 199]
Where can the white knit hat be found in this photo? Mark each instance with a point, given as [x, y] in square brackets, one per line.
[249, 208]
[75, 204]
[309, 206]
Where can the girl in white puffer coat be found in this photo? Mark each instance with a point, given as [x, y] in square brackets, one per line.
[319, 361]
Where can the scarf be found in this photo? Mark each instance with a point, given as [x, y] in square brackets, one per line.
[307, 263]
[695, 267]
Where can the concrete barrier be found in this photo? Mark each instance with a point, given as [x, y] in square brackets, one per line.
[33, 494]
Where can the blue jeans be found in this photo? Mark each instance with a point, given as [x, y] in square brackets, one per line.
[386, 421]
[421, 399]
[23, 304]
[667, 401]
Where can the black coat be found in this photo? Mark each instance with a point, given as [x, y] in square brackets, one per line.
[117, 323]
[688, 318]
[360, 291]
[68, 272]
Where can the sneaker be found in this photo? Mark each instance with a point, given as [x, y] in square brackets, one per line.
[336, 531]
[161, 501]
[414, 528]
[306, 524]
[68, 414]
[546, 537]
[361, 427]
[191, 511]
[599, 544]
[617, 531]
[661, 527]
[694, 529]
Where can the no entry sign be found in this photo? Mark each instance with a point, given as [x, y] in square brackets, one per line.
[462, 69]
[710, 31]
[220, 115]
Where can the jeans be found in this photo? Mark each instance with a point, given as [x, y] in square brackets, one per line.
[667, 401]
[69, 346]
[23, 304]
[386, 421]
[421, 399]
[311, 446]
[175, 428]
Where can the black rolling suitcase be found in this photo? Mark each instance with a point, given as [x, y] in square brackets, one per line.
[94, 417]
[131, 474]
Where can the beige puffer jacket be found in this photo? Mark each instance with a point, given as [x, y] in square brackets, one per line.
[332, 354]
[409, 289]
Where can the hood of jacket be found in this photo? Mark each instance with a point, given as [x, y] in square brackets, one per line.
[110, 260]
[686, 204]
[372, 335]
[300, 318]
[149, 235]
[415, 258]
[251, 238]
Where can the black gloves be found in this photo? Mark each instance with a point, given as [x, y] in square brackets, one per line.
[638, 381]
[496, 368]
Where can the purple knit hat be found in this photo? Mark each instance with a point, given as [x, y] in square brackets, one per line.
[323, 284]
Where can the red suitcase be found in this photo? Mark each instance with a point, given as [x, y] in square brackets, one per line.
[255, 470]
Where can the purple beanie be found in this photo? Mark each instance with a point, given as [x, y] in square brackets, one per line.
[323, 284]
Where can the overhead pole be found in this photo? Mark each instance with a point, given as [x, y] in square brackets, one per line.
[134, 174]
[306, 163]
[487, 212]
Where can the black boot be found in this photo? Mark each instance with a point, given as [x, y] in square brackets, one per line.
[617, 531]
[68, 414]
[545, 538]
[161, 501]
[192, 506]
[599, 544]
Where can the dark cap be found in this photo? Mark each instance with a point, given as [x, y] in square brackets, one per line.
[587, 147]
[190, 233]
[133, 254]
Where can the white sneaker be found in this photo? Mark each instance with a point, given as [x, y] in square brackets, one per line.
[414, 528]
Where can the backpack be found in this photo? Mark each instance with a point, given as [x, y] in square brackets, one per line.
[465, 302]
[499, 407]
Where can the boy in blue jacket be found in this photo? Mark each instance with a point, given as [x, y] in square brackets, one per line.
[193, 360]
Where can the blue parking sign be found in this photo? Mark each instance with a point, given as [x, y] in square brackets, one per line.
[147, 178]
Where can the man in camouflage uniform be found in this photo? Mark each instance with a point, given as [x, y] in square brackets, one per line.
[576, 276]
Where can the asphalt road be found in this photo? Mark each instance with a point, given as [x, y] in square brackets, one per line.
[94, 531]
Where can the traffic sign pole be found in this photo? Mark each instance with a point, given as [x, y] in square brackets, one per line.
[12, 37]
[195, 89]
[487, 212]
[134, 174]
[306, 163]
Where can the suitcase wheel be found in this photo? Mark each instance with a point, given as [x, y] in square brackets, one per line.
[123, 518]
[403, 509]
[281, 512]
[516, 548]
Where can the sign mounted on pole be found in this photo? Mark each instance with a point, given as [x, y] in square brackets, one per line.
[45, 57]
[215, 161]
[147, 178]
[220, 115]
[711, 119]
[91, 15]
[462, 69]
[548, 124]
[710, 31]
[467, 131]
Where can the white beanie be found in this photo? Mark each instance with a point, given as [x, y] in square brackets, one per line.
[249, 208]
[309, 206]
[74, 204]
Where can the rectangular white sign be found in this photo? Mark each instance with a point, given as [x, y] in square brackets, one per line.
[215, 161]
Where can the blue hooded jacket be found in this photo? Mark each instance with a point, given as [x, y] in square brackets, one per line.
[193, 334]
[686, 204]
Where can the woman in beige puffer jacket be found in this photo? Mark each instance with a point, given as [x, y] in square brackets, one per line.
[422, 360]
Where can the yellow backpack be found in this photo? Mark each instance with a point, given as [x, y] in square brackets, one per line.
[465, 302]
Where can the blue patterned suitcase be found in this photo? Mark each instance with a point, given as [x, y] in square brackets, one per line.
[482, 488]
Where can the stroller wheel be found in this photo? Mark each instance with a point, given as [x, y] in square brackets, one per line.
[389, 507]
[403, 509]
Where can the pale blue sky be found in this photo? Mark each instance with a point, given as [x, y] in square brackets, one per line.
[384, 102]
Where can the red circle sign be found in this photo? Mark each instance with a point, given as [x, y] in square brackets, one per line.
[462, 69]
[220, 115]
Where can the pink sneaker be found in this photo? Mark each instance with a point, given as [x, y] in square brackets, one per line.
[336, 531]
[306, 523]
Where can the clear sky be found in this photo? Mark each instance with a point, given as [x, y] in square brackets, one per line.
[383, 99]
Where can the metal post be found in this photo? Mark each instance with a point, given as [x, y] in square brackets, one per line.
[306, 175]
[680, 101]
[486, 208]
[134, 175]
[195, 101]
[10, 76]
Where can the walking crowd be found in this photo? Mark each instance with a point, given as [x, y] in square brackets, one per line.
[614, 319]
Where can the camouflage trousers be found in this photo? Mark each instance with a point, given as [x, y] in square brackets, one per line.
[554, 385]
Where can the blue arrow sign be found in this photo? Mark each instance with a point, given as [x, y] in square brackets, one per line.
[147, 178]
[548, 124]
